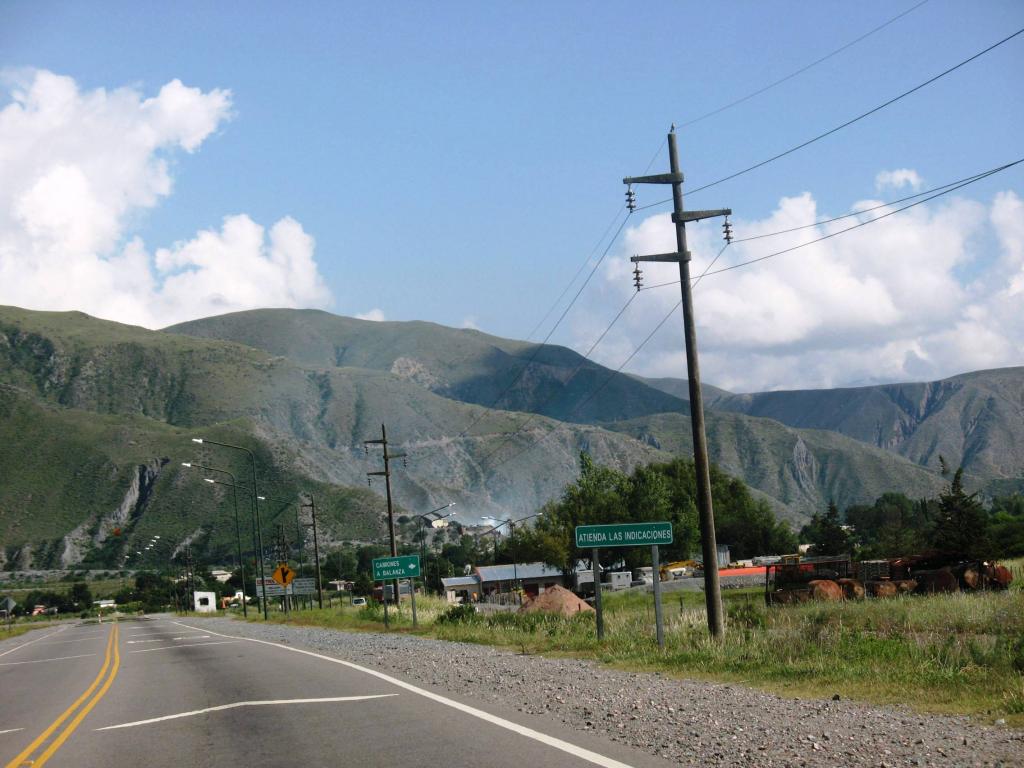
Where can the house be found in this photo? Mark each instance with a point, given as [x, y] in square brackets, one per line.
[487, 581]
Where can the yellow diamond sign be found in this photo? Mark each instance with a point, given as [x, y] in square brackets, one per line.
[283, 575]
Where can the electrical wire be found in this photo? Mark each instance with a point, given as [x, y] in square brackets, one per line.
[569, 285]
[800, 71]
[708, 271]
[859, 117]
[862, 210]
[840, 127]
[542, 344]
[604, 383]
[944, 191]
[565, 384]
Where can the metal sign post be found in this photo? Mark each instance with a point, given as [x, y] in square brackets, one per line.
[396, 568]
[659, 626]
[594, 537]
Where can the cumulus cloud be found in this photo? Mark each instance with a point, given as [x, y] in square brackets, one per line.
[914, 296]
[374, 315]
[897, 179]
[79, 166]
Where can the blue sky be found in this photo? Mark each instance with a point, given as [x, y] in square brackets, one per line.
[457, 162]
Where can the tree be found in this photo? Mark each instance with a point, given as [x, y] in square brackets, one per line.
[961, 523]
[826, 535]
[80, 596]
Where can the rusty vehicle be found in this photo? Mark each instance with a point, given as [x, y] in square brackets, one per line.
[796, 579]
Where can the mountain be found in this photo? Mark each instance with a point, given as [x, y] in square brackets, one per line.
[681, 388]
[123, 399]
[974, 419]
[97, 416]
[799, 470]
[459, 364]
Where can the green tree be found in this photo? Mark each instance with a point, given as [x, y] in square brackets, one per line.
[826, 535]
[961, 523]
[80, 596]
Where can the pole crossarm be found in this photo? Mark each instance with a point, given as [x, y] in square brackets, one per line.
[658, 178]
[384, 472]
[684, 216]
[673, 257]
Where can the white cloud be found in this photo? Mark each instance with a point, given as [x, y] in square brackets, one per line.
[374, 315]
[883, 302]
[79, 166]
[470, 323]
[901, 177]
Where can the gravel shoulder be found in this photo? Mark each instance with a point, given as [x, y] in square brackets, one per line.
[688, 722]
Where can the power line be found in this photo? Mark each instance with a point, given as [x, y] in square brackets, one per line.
[859, 117]
[578, 272]
[840, 127]
[944, 191]
[568, 380]
[707, 272]
[864, 210]
[558, 322]
[608, 379]
[803, 69]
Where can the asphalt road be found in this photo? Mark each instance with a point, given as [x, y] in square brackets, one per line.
[161, 692]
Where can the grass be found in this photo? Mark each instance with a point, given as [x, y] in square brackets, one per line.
[961, 653]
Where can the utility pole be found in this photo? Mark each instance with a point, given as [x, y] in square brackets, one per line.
[316, 553]
[383, 442]
[282, 557]
[712, 590]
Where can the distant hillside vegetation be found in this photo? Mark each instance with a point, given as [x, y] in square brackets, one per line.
[460, 364]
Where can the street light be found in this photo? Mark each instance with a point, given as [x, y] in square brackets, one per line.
[238, 532]
[436, 522]
[255, 507]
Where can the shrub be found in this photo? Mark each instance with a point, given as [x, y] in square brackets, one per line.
[458, 614]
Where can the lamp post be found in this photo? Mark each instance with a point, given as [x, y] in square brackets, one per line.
[238, 530]
[255, 508]
[435, 522]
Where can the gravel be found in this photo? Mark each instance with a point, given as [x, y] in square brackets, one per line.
[686, 721]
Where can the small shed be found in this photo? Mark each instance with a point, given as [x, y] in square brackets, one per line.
[205, 602]
[461, 589]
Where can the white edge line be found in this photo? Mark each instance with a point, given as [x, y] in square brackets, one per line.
[40, 661]
[43, 637]
[12, 730]
[185, 645]
[222, 707]
[522, 730]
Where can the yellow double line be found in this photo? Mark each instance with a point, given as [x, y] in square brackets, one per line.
[83, 705]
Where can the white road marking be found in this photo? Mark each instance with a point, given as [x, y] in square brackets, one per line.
[12, 730]
[158, 640]
[43, 637]
[191, 637]
[246, 704]
[183, 645]
[522, 730]
[40, 661]
[77, 640]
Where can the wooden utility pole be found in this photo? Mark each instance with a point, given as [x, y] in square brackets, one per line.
[383, 442]
[712, 590]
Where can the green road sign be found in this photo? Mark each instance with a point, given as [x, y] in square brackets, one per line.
[623, 535]
[403, 567]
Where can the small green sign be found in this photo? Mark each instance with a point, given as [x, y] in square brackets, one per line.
[623, 535]
[404, 567]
